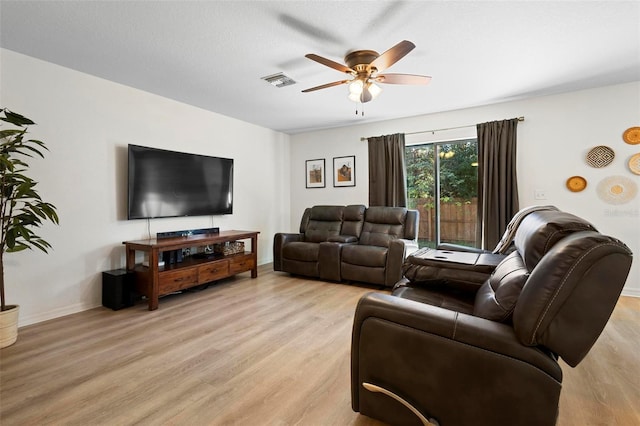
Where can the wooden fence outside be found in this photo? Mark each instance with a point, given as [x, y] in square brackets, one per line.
[458, 220]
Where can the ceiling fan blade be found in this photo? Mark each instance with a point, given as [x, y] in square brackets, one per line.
[330, 63]
[324, 86]
[393, 55]
[402, 79]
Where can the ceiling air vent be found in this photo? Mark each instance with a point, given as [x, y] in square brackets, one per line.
[279, 80]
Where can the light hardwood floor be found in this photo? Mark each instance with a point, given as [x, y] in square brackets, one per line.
[268, 351]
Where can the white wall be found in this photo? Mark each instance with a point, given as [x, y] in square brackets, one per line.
[87, 123]
[553, 141]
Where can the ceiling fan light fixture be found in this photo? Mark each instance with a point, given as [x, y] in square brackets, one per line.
[355, 87]
[375, 90]
[369, 92]
[362, 91]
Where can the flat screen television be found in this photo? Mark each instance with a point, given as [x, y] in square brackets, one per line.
[164, 183]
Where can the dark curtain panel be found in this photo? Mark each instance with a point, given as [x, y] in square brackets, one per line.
[387, 183]
[497, 181]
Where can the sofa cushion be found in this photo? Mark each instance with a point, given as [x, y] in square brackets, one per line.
[303, 251]
[435, 295]
[324, 222]
[372, 256]
[497, 297]
[382, 224]
[353, 219]
[366, 274]
[539, 231]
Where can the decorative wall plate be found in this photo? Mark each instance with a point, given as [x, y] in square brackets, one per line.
[634, 163]
[632, 135]
[600, 156]
[617, 189]
[576, 183]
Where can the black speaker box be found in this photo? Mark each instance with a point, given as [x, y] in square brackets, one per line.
[118, 289]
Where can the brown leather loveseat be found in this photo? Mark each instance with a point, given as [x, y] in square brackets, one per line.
[443, 352]
[349, 243]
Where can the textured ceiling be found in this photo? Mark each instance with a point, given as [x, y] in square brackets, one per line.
[212, 54]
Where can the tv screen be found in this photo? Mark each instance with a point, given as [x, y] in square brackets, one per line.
[164, 183]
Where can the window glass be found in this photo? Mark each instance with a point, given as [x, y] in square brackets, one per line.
[442, 184]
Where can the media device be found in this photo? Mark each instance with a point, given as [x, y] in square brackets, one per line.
[187, 232]
[163, 183]
[170, 257]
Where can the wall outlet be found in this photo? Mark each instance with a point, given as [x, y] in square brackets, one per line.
[540, 194]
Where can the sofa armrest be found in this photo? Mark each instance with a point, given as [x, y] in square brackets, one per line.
[398, 250]
[343, 239]
[432, 356]
[279, 241]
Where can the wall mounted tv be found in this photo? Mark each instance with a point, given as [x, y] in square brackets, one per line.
[164, 183]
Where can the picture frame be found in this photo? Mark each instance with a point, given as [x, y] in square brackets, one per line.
[344, 171]
[315, 173]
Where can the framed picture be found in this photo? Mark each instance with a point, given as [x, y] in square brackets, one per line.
[314, 171]
[344, 171]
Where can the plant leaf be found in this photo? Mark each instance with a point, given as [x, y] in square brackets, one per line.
[17, 119]
[9, 132]
[22, 208]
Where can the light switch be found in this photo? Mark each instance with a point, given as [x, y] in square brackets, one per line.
[540, 194]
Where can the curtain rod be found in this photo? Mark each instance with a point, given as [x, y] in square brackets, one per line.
[440, 130]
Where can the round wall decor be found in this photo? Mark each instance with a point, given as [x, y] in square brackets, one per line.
[617, 189]
[632, 135]
[600, 156]
[634, 163]
[576, 183]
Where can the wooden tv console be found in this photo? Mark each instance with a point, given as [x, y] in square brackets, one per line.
[153, 281]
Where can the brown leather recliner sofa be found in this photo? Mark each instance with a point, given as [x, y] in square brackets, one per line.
[443, 352]
[349, 243]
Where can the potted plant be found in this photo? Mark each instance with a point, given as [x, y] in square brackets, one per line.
[21, 208]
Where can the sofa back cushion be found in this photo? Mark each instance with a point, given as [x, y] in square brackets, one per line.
[352, 220]
[539, 231]
[304, 222]
[323, 222]
[497, 296]
[382, 224]
[569, 296]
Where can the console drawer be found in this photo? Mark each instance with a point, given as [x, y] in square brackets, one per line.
[177, 280]
[213, 271]
[241, 263]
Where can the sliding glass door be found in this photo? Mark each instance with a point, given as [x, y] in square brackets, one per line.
[442, 184]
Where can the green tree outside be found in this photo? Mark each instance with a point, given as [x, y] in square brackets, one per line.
[457, 162]
[458, 170]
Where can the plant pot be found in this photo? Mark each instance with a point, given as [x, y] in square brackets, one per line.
[9, 326]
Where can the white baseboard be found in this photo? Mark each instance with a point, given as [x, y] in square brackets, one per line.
[54, 313]
[631, 293]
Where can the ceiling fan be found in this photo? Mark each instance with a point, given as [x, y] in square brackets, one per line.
[364, 66]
